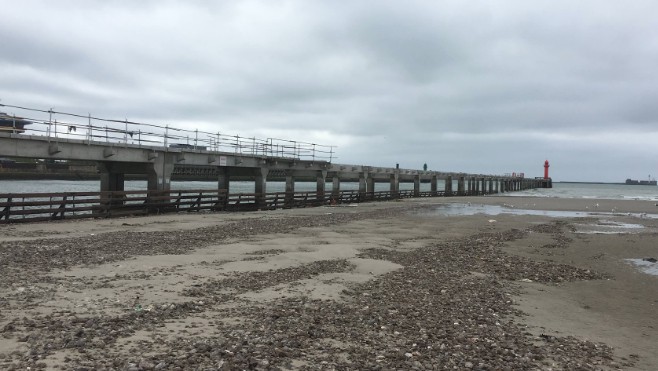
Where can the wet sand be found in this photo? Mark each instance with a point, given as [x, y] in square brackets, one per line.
[412, 284]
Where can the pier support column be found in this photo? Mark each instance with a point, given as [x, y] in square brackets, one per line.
[223, 184]
[290, 189]
[496, 184]
[448, 185]
[158, 178]
[484, 186]
[362, 186]
[460, 186]
[223, 178]
[370, 184]
[395, 183]
[112, 180]
[433, 184]
[320, 185]
[416, 185]
[159, 173]
[335, 187]
[470, 186]
[260, 186]
[491, 190]
[290, 183]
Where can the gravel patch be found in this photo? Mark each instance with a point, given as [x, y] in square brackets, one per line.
[449, 307]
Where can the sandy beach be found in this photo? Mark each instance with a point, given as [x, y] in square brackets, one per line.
[418, 284]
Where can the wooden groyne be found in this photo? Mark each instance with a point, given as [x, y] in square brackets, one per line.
[34, 207]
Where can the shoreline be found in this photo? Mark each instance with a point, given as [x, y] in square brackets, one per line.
[399, 274]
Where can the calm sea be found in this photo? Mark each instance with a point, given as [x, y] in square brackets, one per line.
[559, 190]
[600, 191]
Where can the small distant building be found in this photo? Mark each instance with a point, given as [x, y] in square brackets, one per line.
[12, 124]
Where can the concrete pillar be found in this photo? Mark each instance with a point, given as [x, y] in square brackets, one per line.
[476, 186]
[448, 186]
[484, 186]
[395, 182]
[496, 184]
[363, 188]
[260, 185]
[223, 184]
[320, 183]
[223, 178]
[460, 186]
[159, 172]
[290, 183]
[111, 181]
[433, 184]
[470, 186]
[416, 185]
[290, 189]
[370, 184]
[335, 185]
[491, 190]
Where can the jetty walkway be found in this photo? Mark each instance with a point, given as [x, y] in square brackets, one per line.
[122, 147]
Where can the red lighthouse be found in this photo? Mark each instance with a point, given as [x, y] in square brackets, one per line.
[546, 165]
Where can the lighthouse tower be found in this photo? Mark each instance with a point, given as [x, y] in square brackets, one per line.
[546, 165]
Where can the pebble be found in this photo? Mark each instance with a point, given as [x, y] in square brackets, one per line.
[432, 314]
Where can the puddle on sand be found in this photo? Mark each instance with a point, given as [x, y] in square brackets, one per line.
[645, 266]
[458, 209]
[474, 209]
[599, 227]
[607, 227]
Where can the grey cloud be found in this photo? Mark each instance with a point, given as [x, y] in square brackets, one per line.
[483, 87]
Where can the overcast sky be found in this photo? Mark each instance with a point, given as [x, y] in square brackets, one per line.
[474, 86]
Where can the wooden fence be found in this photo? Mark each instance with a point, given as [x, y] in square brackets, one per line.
[32, 207]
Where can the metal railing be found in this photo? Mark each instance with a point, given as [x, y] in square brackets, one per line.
[55, 124]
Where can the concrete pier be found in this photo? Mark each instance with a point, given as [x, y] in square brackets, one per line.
[157, 164]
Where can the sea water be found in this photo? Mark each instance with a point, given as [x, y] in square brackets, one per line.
[605, 191]
[559, 190]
